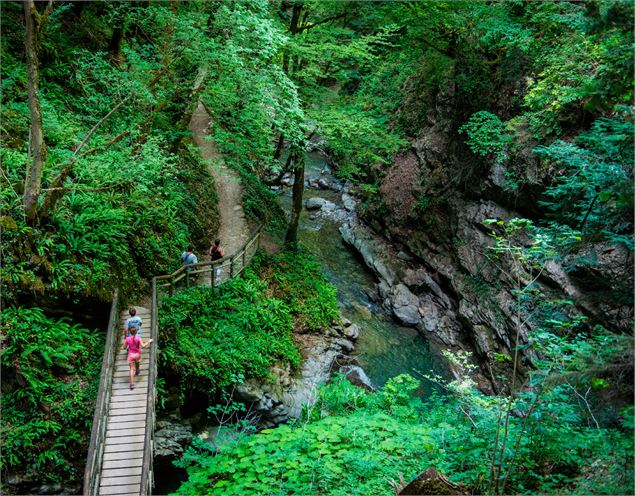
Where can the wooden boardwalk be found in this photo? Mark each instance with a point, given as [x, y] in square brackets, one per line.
[120, 454]
[125, 430]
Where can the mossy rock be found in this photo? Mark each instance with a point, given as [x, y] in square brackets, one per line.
[7, 222]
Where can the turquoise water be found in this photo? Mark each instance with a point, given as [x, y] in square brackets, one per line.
[384, 348]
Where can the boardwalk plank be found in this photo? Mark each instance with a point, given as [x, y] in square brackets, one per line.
[139, 382]
[126, 439]
[119, 473]
[127, 489]
[125, 462]
[120, 481]
[140, 409]
[126, 418]
[116, 448]
[126, 404]
[113, 426]
[119, 429]
[123, 455]
[142, 391]
[126, 369]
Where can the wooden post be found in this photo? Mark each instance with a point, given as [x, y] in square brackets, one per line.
[231, 268]
[244, 253]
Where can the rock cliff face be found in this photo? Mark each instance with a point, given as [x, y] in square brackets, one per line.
[324, 354]
[427, 241]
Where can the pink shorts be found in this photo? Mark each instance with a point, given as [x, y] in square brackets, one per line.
[134, 357]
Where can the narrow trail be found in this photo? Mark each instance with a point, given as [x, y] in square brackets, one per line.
[234, 229]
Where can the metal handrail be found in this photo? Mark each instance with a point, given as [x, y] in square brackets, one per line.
[100, 419]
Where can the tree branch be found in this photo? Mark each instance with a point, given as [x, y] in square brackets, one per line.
[71, 188]
[113, 141]
[94, 128]
[306, 27]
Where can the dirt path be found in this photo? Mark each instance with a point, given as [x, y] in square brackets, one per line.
[234, 230]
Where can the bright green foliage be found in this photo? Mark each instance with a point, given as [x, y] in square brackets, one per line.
[358, 140]
[135, 194]
[50, 373]
[593, 191]
[356, 442]
[297, 279]
[589, 68]
[244, 326]
[207, 336]
[486, 135]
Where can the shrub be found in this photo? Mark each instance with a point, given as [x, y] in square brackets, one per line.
[50, 379]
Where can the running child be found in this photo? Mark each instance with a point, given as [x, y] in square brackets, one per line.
[134, 345]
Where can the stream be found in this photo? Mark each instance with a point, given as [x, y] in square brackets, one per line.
[384, 348]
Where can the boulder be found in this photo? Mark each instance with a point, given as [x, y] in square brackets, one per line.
[349, 202]
[356, 375]
[404, 256]
[352, 332]
[314, 203]
[437, 319]
[170, 438]
[372, 250]
[405, 305]
[343, 345]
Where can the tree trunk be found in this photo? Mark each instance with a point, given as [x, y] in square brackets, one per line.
[114, 47]
[293, 29]
[298, 190]
[276, 154]
[33, 179]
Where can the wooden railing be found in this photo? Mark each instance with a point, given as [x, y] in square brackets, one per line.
[100, 419]
[147, 473]
[211, 273]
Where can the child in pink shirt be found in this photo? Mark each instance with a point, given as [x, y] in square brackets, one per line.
[134, 345]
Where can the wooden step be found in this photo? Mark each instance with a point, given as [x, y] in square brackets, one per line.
[123, 455]
[127, 462]
[125, 437]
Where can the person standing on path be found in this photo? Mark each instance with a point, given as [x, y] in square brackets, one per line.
[134, 345]
[133, 320]
[188, 257]
[216, 252]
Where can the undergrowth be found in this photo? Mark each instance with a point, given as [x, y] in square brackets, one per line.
[242, 328]
[50, 376]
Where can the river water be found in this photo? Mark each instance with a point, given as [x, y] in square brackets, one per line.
[384, 348]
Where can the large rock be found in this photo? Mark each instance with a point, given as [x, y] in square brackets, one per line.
[171, 437]
[356, 375]
[314, 203]
[405, 305]
[276, 402]
[372, 250]
[352, 332]
[439, 320]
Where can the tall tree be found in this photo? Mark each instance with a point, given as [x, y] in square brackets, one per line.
[298, 190]
[34, 21]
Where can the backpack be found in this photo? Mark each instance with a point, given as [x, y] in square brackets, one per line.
[189, 258]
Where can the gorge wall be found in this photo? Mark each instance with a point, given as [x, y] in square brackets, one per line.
[428, 242]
